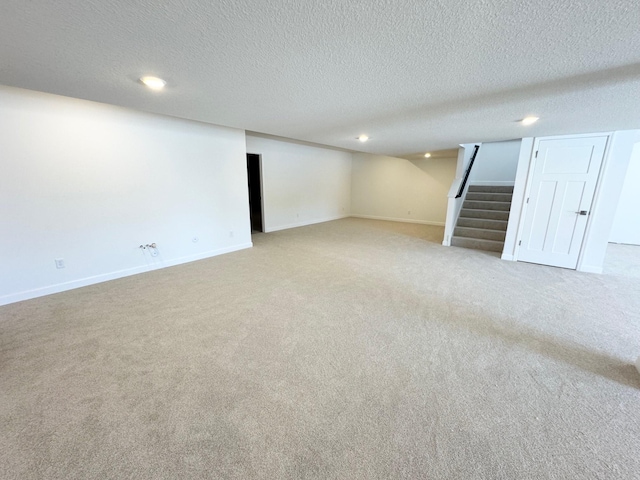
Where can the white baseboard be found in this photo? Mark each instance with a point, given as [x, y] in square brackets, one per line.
[492, 183]
[304, 224]
[507, 256]
[402, 220]
[589, 269]
[105, 277]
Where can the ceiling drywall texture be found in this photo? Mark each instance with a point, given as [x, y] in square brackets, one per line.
[415, 75]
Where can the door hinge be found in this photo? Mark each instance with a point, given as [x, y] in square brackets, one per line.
[520, 243]
[527, 199]
[536, 153]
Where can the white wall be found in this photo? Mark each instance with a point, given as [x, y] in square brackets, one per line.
[626, 223]
[89, 183]
[496, 163]
[617, 158]
[301, 184]
[606, 199]
[514, 228]
[454, 205]
[391, 188]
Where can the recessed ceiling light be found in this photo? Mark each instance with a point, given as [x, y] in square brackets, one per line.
[427, 155]
[154, 83]
[363, 138]
[529, 120]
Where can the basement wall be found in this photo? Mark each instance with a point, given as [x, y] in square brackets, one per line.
[389, 188]
[626, 223]
[301, 184]
[496, 163]
[605, 203]
[89, 183]
[612, 178]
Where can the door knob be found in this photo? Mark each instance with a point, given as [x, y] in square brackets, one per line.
[582, 212]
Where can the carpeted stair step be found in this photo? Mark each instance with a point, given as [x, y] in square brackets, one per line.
[483, 223]
[491, 188]
[484, 214]
[479, 233]
[478, 205]
[484, 196]
[478, 244]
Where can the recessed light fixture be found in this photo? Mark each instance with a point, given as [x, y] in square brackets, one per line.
[363, 138]
[529, 120]
[427, 155]
[154, 83]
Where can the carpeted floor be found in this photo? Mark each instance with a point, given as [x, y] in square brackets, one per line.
[353, 349]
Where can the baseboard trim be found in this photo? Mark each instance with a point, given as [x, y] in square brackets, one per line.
[105, 277]
[506, 256]
[304, 224]
[589, 269]
[401, 220]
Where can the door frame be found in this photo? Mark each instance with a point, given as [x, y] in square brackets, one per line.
[259, 155]
[596, 196]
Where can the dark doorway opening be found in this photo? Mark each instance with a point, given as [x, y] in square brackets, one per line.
[255, 192]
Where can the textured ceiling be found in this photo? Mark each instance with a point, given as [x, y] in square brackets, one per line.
[415, 75]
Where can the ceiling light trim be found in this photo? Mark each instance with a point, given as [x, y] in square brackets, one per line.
[530, 120]
[154, 83]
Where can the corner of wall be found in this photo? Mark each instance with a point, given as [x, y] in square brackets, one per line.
[509, 251]
[608, 191]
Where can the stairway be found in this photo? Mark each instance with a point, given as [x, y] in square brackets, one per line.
[483, 219]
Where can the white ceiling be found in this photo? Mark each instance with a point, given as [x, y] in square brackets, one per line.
[414, 75]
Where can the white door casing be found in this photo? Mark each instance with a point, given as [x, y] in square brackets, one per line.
[564, 177]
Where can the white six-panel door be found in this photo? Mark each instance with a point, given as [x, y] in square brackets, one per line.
[564, 177]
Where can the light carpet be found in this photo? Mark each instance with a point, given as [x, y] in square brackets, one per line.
[354, 349]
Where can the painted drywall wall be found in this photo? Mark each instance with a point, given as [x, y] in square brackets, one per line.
[614, 170]
[518, 199]
[454, 205]
[89, 183]
[395, 189]
[301, 184]
[605, 203]
[496, 163]
[626, 223]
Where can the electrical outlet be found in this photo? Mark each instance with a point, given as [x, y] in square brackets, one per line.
[59, 262]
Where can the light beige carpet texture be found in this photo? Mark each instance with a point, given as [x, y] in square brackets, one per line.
[353, 349]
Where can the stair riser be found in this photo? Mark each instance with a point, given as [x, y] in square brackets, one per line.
[496, 235]
[484, 214]
[490, 189]
[501, 206]
[482, 223]
[477, 244]
[484, 197]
